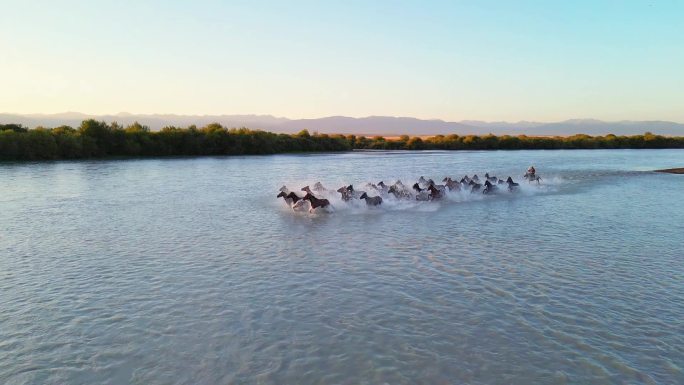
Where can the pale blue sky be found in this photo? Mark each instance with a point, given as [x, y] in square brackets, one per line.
[452, 60]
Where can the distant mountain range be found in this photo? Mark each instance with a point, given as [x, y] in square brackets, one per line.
[372, 125]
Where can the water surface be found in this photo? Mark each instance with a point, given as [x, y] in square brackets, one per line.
[190, 271]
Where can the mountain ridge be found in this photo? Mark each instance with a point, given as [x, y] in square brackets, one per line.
[370, 125]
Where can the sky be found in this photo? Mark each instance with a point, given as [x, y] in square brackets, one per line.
[452, 60]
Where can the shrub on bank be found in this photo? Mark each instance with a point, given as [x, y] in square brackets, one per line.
[93, 139]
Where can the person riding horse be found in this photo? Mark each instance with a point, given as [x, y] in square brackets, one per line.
[531, 175]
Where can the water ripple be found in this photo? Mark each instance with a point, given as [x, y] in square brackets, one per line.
[188, 271]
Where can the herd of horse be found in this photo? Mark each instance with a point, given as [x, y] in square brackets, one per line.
[422, 190]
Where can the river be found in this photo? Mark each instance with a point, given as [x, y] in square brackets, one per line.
[190, 271]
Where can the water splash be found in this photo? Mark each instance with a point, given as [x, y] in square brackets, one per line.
[391, 203]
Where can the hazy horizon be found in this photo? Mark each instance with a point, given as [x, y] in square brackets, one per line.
[491, 61]
[370, 125]
[127, 113]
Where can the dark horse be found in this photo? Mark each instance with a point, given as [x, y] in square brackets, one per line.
[383, 188]
[371, 201]
[347, 192]
[290, 198]
[435, 193]
[422, 194]
[316, 202]
[492, 179]
[489, 188]
[511, 185]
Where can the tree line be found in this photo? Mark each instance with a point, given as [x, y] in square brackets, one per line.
[96, 139]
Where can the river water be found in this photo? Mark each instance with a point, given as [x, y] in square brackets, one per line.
[190, 271]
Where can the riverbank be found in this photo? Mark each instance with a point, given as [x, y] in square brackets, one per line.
[93, 139]
[672, 170]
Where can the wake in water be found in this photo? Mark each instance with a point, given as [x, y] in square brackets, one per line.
[424, 195]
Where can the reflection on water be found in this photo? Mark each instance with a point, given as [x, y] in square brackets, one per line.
[190, 271]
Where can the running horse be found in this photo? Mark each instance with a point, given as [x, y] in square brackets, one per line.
[532, 177]
[316, 202]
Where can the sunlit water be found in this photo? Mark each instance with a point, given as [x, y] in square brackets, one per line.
[190, 271]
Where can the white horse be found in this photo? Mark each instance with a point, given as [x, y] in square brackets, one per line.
[532, 177]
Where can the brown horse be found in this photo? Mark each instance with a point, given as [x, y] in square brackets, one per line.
[290, 198]
[435, 193]
[315, 202]
[307, 190]
[345, 192]
[452, 184]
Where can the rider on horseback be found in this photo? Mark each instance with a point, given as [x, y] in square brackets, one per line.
[531, 175]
